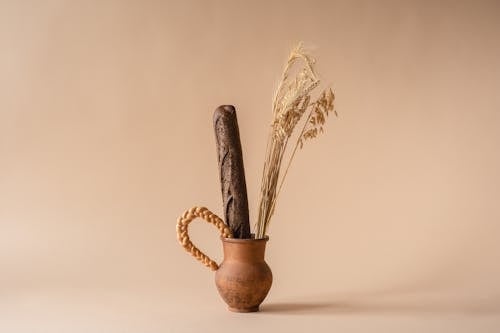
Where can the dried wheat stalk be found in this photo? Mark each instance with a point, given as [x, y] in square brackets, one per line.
[291, 102]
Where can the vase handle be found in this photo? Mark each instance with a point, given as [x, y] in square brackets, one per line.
[183, 237]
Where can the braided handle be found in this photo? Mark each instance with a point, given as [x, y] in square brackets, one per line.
[183, 237]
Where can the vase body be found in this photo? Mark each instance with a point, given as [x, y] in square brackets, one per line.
[244, 278]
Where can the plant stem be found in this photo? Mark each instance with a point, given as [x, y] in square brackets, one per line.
[290, 162]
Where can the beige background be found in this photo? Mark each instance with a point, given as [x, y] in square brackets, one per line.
[389, 222]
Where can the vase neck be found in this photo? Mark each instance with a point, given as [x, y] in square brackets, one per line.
[251, 250]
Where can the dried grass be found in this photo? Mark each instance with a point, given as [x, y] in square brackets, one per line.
[291, 102]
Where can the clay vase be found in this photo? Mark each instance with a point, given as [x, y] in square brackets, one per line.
[244, 278]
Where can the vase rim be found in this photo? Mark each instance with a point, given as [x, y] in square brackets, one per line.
[244, 240]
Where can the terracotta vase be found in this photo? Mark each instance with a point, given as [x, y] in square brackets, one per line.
[244, 278]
